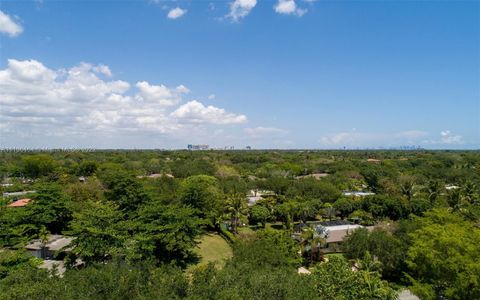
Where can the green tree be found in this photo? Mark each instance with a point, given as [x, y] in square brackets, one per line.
[12, 260]
[202, 193]
[312, 239]
[125, 190]
[98, 232]
[287, 211]
[50, 208]
[87, 168]
[336, 280]
[433, 190]
[444, 259]
[259, 214]
[164, 232]
[38, 165]
[345, 206]
[236, 209]
[407, 186]
[383, 246]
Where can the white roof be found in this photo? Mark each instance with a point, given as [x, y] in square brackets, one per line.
[358, 193]
[253, 199]
[342, 227]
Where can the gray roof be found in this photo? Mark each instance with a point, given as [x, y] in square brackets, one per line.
[6, 194]
[55, 242]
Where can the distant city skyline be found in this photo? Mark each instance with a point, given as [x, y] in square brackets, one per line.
[280, 74]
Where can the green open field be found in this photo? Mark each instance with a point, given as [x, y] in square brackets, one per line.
[213, 248]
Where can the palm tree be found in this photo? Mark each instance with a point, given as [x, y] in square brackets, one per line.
[236, 209]
[312, 239]
[43, 236]
[454, 199]
[433, 189]
[469, 192]
[407, 184]
[368, 263]
[329, 211]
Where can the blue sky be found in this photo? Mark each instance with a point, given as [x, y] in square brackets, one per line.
[270, 74]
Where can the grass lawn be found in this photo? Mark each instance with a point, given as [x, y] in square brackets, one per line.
[333, 254]
[245, 230]
[213, 248]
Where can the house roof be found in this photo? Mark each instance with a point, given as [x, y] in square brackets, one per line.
[157, 175]
[303, 270]
[7, 194]
[20, 203]
[317, 176]
[358, 193]
[333, 223]
[337, 233]
[253, 199]
[55, 242]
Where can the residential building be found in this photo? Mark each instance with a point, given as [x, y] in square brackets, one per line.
[54, 246]
[20, 203]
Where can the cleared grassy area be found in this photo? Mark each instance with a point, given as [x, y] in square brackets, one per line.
[334, 254]
[213, 248]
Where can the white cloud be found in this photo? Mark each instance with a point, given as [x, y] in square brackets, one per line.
[182, 89]
[159, 94]
[176, 13]
[37, 101]
[258, 132]
[211, 96]
[240, 9]
[196, 112]
[289, 7]
[103, 69]
[447, 137]
[9, 26]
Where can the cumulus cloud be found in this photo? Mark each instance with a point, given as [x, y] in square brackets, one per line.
[38, 101]
[103, 69]
[240, 9]
[447, 137]
[159, 94]
[176, 13]
[289, 7]
[258, 132]
[196, 112]
[8, 26]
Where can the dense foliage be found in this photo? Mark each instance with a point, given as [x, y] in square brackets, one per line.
[136, 218]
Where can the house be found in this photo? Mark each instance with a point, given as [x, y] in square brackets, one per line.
[357, 193]
[156, 175]
[303, 271]
[451, 187]
[14, 194]
[20, 203]
[299, 227]
[54, 246]
[253, 199]
[317, 176]
[256, 195]
[334, 232]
